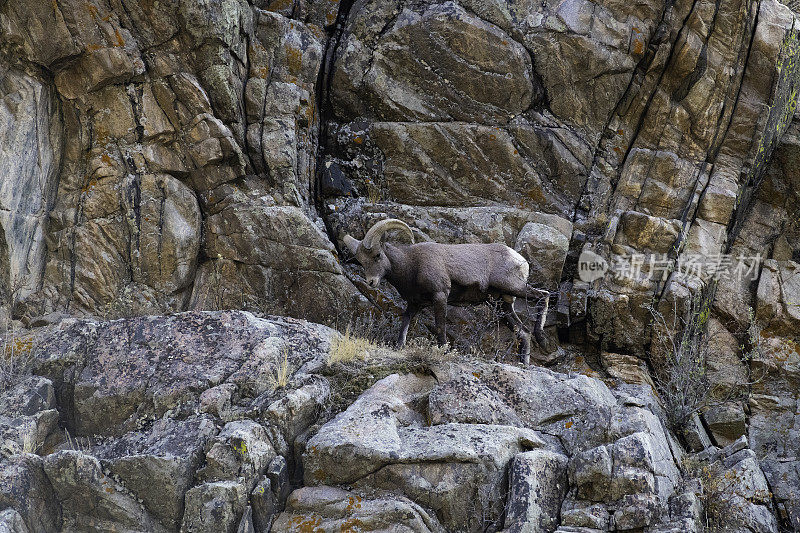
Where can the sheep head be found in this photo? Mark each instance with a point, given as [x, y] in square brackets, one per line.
[369, 251]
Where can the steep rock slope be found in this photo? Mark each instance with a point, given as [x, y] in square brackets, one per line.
[184, 423]
[165, 147]
[173, 155]
[176, 144]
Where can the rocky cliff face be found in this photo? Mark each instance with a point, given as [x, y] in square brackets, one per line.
[169, 158]
[195, 155]
[179, 155]
[223, 422]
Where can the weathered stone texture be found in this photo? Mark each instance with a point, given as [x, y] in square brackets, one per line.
[132, 452]
[162, 156]
[151, 116]
[184, 423]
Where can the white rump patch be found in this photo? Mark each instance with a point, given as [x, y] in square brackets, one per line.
[520, 263]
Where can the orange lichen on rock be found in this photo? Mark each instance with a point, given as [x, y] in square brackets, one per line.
[278, 5]
[351, 525]
[353, 503]
[305, 524]
[294, 60]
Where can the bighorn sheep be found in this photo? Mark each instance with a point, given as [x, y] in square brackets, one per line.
[431, 273]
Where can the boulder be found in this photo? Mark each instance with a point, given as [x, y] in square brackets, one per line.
[636, 511]
[169, 364]
[381, 441]
[585, 515]
[28, 416]
[330, 509]
[537, 484]
[545, 249]
[216, 506]
[242, 451]
[158, 466]
[727, 422]
[299, 409]
[591, 472]
[90, 499]
[265, 504]
[695, 435]
[27, 489]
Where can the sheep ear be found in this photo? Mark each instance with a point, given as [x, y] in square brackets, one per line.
[351, 243]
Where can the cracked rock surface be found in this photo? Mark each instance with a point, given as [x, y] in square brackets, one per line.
[183, 156]
[465, 445]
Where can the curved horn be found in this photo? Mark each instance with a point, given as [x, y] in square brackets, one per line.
[373, 236]
[351, 243]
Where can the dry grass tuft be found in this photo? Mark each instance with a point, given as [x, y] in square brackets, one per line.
[281, 371]
[79, 444]
[421, 352]
[16, 357]
[356, 363]
[17, 346]
[348, 347]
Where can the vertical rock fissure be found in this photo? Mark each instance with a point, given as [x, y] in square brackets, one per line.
[72, 232]
[646, 108]
[161, 203]
[325, 112]
[719, 137]
[585, 207]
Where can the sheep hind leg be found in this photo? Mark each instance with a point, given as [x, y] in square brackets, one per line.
[440, 317]
[542, 299]
[519, 329]
[508, 307]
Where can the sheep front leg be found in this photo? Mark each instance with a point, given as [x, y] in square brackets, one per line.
[440, 316]
[408, 316]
